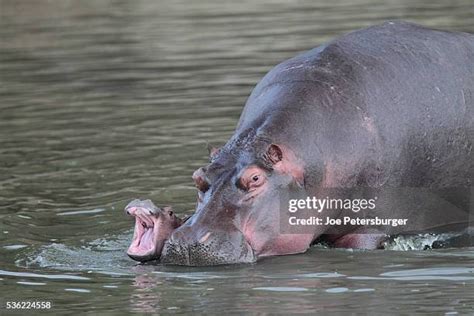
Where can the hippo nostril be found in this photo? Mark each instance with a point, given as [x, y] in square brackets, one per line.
[130, 211]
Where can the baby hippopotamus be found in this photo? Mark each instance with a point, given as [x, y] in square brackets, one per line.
[153, 226]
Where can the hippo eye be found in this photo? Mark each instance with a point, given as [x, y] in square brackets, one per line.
[251, 178]
[256, 180]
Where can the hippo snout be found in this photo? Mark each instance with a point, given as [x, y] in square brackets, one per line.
[207, 248]
[151, 208]
[153, 226]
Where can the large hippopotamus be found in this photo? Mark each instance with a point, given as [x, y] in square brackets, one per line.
[389, 106]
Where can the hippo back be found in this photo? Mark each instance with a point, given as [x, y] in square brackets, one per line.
[396, 98]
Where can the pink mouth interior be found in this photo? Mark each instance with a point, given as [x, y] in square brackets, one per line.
[143, 242]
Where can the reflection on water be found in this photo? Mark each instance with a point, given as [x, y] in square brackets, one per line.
[106, 101]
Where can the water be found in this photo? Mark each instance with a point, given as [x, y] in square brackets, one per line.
[106, 101]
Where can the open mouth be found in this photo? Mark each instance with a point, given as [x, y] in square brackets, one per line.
[144, 246]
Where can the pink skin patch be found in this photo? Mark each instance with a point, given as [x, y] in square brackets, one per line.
[153, 226]
[267, 241]
[290, 164]
[360, 241]
[283, 244]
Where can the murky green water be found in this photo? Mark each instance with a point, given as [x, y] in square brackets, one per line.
[102, 102]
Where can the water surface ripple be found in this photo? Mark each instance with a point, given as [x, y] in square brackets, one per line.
[106, 101]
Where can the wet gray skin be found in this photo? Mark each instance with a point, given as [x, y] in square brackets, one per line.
[343, 115]
[327, 119]
[153, 226]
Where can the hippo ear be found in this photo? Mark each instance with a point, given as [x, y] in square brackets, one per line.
[284, 160]
[212, 150]
[274, 154]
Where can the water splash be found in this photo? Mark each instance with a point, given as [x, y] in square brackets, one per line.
[100, 255]
[419, 242]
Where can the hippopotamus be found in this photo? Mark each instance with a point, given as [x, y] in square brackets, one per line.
[388, 106]
[153, 226]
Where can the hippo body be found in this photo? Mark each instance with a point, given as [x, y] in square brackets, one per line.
[387, 106]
